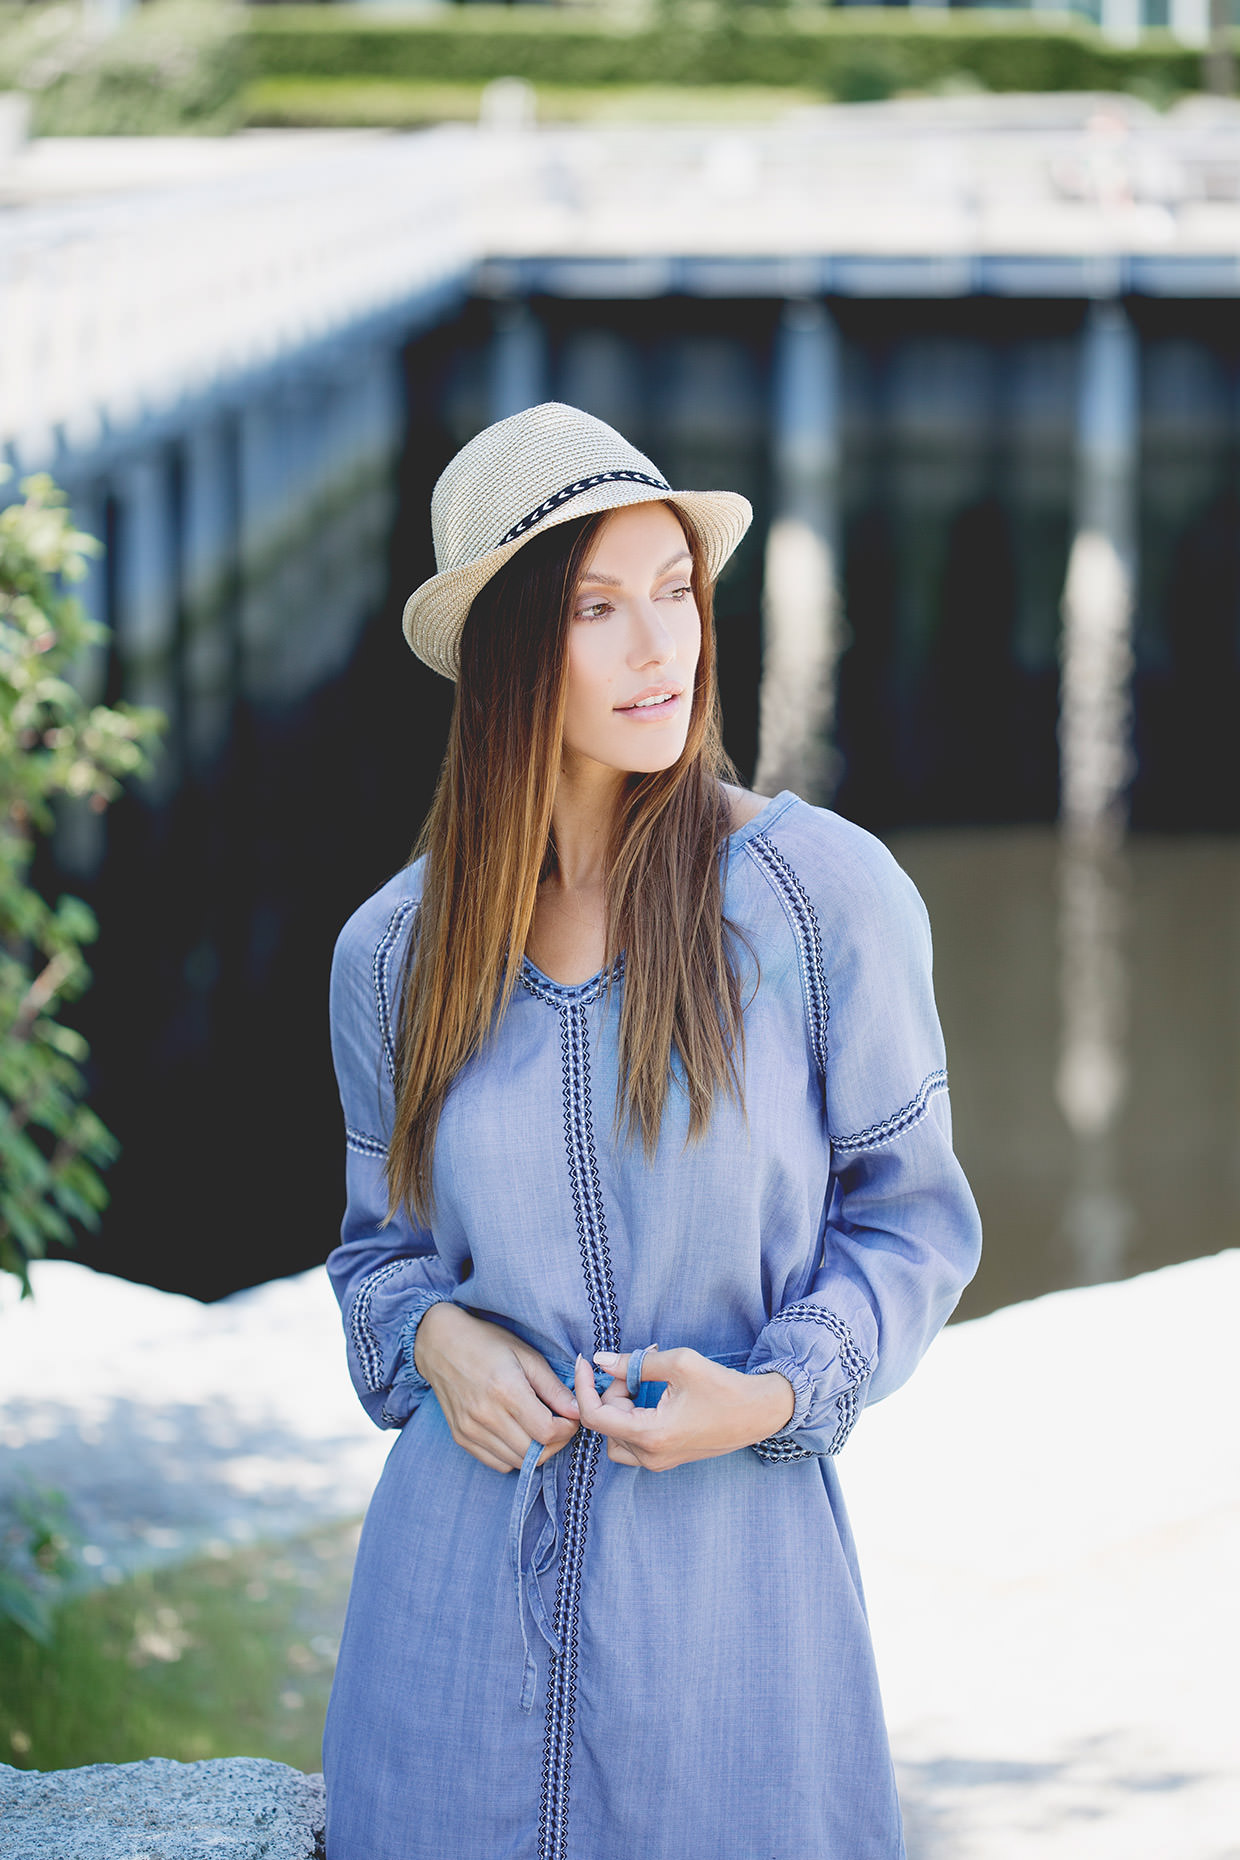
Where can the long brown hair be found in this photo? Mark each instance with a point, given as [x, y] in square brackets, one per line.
[487, 842]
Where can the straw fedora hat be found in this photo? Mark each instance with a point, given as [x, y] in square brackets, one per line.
[524, 475]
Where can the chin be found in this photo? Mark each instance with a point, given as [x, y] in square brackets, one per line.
[629, 758]
[653, 762]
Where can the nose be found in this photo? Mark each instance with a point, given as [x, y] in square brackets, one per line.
[653, 642]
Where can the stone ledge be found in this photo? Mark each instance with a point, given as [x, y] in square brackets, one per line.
[230, 1808]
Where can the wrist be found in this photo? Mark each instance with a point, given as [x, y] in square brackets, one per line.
[775, 1401]
[433, 1323]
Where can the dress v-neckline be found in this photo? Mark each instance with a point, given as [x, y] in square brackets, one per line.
[561, 994]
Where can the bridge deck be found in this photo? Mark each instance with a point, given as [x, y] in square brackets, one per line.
[135, 276]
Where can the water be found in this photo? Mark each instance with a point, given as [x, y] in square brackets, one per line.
[1150, 1173]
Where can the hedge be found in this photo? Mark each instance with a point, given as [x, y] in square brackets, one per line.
[856, 52]
[201, 65]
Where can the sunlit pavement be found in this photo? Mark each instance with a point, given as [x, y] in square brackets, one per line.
[1048, 1520]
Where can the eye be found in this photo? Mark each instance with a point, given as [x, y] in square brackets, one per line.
[593, 610]
[680, 592]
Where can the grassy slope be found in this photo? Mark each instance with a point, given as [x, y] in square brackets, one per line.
[225, 1656]
[294, 103]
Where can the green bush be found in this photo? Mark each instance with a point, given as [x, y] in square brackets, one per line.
[172, 67]
[847, 53]
[53, 744]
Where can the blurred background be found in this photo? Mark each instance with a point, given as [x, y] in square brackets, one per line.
[974, 358]
[949, 293]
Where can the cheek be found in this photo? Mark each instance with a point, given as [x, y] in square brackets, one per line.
[689, 640]
[591, 676]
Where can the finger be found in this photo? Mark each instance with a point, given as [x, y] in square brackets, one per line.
[621, 1455]
[499, 1434]
[537, 1420]
[557, 1446]
[608, 1418]
[547, 1385]
[627, 1365]
[614, 1363]
[588, 1400]
[500, 1461]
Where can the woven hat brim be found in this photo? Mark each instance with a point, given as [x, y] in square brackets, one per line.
[435, 613]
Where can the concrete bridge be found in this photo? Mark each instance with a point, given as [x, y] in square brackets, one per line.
[201, 338]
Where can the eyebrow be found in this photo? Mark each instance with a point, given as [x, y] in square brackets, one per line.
[592, 579]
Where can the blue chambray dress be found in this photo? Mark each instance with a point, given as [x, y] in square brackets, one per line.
[595, 1662]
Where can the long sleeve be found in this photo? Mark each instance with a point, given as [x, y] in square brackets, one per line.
[900, 1236]
[386, 1276]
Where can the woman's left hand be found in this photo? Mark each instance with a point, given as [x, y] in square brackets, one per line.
[705, 1410]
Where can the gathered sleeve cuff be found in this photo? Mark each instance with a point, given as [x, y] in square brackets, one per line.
[386, 1279]
[408, 1376]
[827, 1372]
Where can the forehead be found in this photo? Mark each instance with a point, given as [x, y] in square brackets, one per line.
[637, 534]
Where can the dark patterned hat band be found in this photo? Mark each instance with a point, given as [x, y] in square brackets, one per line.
[574, 490]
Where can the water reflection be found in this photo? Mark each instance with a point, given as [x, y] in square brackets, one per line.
[801, 605]
[1146, 979]
[1091, 1079]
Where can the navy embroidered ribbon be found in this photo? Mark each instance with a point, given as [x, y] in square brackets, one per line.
[575, 489]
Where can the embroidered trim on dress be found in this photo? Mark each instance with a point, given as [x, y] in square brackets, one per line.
[383, 1002]
[596, 1264]
[365, 1341]
[806, 930]
[562, 1667]
[584, 1176]
[855, 1364]
[899, 1121]
[779, 1448]
[574, 490]
[565, 994]
[364, 1146]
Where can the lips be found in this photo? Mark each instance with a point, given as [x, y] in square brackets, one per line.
[651, 701]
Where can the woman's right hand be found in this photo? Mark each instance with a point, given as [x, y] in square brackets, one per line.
[497, 1393]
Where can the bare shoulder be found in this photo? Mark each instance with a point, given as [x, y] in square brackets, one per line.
[745, 805]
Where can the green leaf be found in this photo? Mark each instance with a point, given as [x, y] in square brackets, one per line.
[52, 1147]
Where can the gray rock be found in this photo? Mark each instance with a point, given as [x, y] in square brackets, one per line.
[232, 1808]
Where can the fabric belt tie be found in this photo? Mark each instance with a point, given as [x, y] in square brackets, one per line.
[535, 1482]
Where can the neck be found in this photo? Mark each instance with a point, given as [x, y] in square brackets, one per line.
[583, 815]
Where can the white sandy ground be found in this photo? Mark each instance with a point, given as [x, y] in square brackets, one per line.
[1048, 1520]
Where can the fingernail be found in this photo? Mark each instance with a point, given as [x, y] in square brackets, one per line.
[604, 1356]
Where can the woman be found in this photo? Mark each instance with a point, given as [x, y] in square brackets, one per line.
[651, 1188]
